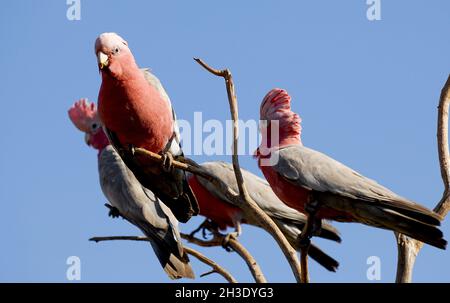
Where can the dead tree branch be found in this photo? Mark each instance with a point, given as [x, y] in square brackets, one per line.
[230, 241]
[216, 268]
[408, 248]
[245, 201]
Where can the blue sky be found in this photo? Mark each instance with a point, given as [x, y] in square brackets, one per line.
[367, 93]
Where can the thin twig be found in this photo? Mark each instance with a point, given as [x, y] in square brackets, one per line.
[246, 202]
[115, 238]
[215, 241]
[216, 268]
[229, 241]
[409, 248]
[251, 262]
[202, 258]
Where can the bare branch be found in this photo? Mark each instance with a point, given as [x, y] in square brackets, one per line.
[219, 73]
[215, 241]
[304, 266]
[407, 251]
[115, 238]
[408, 248]
[443, 207]
[215, 267]
[202, 258]
[230, 241]
[246, 202]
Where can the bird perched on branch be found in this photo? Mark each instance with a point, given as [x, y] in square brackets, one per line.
[324, 188]
[215, 206]
[137, 112]
[134, 202]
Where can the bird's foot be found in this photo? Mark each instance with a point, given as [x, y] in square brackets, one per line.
[167, 162]
[304, 242]
[226, 241]
[314, 223]
[312, 206]
[207, 228]
[113, 211]
[238, 229]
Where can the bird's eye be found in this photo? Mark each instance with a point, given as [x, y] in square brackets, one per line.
[116, 50]
[94, 126]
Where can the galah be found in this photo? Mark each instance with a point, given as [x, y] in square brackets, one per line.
[137, 112]
[324, 188]
[215, 206]
[135, 203]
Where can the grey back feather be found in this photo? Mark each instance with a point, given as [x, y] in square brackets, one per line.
[258, 189]
[313, 170]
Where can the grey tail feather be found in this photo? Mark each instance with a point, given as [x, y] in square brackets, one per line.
[175, 265]
[330, 233]
[399, 222]
[327, 231]
[322, 258]
[292, 232]
[416, 211]
[177, 268]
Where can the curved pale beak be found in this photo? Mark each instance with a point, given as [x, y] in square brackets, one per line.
[87, 138]
[102, 60]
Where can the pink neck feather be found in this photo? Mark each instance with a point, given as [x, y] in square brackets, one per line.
[99, 140]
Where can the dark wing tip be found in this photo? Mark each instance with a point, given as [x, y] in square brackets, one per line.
[323, 259]
[329, 232]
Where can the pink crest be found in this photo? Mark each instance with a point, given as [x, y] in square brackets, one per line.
[276, 105]
[83, 113]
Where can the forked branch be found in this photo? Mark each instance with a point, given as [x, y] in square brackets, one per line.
[230, 241]
[246, 203]
[216, 268]
[408, 248]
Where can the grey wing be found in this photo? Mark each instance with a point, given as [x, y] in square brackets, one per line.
[313, 170]
[175, 147]
[261, 192]
[258, 189]
[136, 203]
[167, 214]
[143, 209]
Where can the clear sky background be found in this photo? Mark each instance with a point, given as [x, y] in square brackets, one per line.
[367, 93]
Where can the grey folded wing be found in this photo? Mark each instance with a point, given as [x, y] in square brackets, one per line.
[261, 192]
[315, 171]
[143, 209]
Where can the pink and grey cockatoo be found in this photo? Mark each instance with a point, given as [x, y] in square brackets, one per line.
[137, 112]
[324, 188]
[135, 203]
[215, 206]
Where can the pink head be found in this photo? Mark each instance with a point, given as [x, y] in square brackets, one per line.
[83, 115]
[276, 107]
[113, 56]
